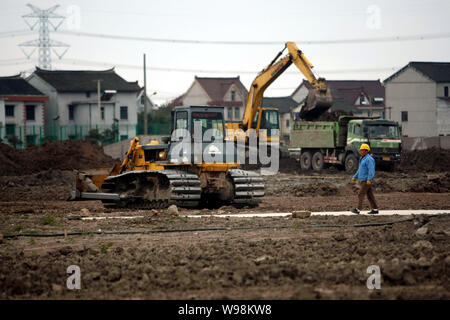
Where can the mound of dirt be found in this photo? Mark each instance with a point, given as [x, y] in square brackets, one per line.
[437, 184]
[431, 160]
[60, 155]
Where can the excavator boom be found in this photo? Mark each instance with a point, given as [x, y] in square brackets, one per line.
[318, 101]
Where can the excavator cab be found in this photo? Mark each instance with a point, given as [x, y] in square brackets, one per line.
[267, 124]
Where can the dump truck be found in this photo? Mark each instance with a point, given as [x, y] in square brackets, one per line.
[319, 143]
[188, 171]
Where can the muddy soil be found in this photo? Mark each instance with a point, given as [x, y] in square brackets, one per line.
[273, 258]
[242, 258]
[57, 155]
[158, 255]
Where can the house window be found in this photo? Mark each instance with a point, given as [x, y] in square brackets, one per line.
[123, 137]
[71, 111]
[383, 114]
[233, 95]
[362, 99]
[9, 110]
[369, 113]
[88, 94]
[30, 113]
[124, 113]
[446, 91]
[142, 100]
[404, 116]
[287, 123]
[102, 110]
[10, 129]
[230, 113]
[237, 113]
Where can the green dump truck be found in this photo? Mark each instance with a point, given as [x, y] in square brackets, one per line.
[317, 143]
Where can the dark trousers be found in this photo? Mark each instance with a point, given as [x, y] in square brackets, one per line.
[363, 191]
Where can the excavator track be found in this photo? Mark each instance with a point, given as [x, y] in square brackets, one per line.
[248, 187]
[155, 189]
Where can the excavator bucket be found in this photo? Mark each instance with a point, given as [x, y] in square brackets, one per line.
[318, 102]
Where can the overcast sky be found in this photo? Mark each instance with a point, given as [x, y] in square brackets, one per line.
[312, 24]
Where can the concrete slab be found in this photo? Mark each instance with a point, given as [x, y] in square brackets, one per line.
[330, 213]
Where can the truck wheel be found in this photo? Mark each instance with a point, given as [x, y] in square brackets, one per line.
[351, 163]
[305, 160]
[317, 161]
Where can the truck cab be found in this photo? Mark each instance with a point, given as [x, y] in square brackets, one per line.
[383, 137]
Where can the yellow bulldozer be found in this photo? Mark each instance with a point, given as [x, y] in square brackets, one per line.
[157, 175]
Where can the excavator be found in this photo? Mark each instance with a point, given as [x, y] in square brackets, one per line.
[262, 120]
[188, 171]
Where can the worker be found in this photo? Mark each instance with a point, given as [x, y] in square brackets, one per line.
[365, 174]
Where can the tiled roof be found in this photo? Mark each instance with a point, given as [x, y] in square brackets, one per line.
[350, 90]
[86, 81]
[16, 85]
[284, 104]
[436, 71]
[216, 88]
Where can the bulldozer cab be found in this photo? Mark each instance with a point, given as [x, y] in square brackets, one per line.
[199, 129]
[205, 122]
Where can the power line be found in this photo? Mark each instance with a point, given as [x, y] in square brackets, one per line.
[129, 66]
[138, 67]
[16, 33]
[429, 36]
[418, 37]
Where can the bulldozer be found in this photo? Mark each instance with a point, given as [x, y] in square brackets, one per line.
[195, 168]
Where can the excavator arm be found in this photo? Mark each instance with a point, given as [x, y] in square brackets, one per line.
[319, 98]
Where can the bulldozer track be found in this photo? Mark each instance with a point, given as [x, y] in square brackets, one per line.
[183, 189]
[158, 189]
[248, 187]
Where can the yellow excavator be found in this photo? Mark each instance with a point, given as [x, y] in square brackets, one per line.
[262, 120]
[187, 171]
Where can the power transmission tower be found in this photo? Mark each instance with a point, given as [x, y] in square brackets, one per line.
[44, 44]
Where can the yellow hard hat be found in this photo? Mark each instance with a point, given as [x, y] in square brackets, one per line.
[364, 146]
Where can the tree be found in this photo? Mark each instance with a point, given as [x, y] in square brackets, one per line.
[108, 136]
[162, 115]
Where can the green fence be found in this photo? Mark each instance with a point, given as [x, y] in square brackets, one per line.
[21, 136]
[154, 129]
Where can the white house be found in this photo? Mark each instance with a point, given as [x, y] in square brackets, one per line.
[74, 107]
[418, 98]
[22, 111]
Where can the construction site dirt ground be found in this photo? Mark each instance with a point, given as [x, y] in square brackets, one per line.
[228, 258]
